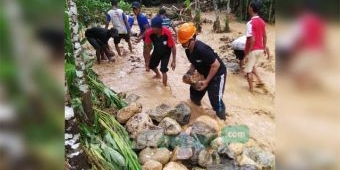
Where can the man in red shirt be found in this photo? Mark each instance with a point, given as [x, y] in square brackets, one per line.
[255, 44]
[162, 40]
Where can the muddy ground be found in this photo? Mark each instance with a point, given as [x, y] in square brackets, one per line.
[256, 111]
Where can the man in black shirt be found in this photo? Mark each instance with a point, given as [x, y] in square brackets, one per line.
[98, 38]
[203, 59]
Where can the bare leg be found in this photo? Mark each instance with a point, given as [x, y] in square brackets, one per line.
[250, 81]
[259, 83]
[158, 75]
[98, 56]
[146, 61]
[130, 45]
[118, 50]
[165, 79]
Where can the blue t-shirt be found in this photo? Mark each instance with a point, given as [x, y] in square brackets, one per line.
[142, 20]
[131, 20]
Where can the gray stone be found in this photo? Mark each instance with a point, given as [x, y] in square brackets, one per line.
[150, 138]
[181, 113]
[161, 155]
[181, 153]
[137, 124]
[170, 126]
[131, 98]
[160, 112]
[205, 158]
[127, 112]
[264, 159]
[174, 166]
[249, 167]
[152, 165]
[203, 132]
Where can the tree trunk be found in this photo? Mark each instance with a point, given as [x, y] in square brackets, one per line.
[217, 23]
[270, 10]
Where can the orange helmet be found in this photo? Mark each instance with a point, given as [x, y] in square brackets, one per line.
[186, 31]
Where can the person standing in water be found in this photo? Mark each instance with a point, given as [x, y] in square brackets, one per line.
[162, 40]
[203, 59]
[119, 22]
[255, 44]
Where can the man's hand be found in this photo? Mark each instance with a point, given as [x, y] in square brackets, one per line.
[202, 85]
[246, 59]
[173, 64]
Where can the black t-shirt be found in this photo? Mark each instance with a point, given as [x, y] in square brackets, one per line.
[98, 33]
[202, 57]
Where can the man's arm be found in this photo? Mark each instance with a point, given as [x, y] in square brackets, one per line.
[251, 44]
[213, 70]
[141, 36]
[126, 24]
[108, 19]
[173, 63]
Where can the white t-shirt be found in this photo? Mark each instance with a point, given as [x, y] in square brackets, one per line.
[116, 16]
[239, 43]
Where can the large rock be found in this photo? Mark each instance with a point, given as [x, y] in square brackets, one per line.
[203, 132]
[152, 165]
[209, 121]
[138, 124]
[174, 166]
[181, 153]
[150, 138]
[244, 160]
[170, 126]
[193, 79]
[205, 158]
[226, 153]
[264, 159]
[197, 147]
[161, 155]
[218, 142]
[236, 148]
[160, 112]
[225, 166]
[249, 167]
[127, 112]
[181, 113]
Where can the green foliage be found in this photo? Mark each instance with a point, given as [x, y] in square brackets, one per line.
[187, 4]
[107, 144]
[92, 11]
[125, 6]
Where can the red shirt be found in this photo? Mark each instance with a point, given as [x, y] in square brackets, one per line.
[256, 28]
[165, 33]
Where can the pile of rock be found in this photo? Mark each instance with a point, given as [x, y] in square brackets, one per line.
[162, 143]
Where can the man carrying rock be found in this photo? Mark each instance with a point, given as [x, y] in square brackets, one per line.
[98, 38]
[160, 37]
[119, 22]
[203, 59]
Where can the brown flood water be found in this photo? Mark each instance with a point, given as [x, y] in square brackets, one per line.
[256, 111]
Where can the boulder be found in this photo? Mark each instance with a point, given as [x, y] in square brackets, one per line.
[150, 138]
[131, 98]
[245, 160]
[174, 166]
[152, 165]
[249, 167]
[170, 126]
[127, 112]
[236, 148]
[209, 121]
[218, 142]
[137, 124]
[160, 112]
[181, 153]
[264, 159]
[193, 79]
[161, 155]
[203, 132]
[196, 149]
[181, 113]
[226, 153]
[205, 158]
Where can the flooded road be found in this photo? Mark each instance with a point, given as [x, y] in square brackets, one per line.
[256, 111]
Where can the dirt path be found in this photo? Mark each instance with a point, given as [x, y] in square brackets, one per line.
[256, 111]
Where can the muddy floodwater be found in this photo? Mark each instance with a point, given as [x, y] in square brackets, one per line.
[127, 74]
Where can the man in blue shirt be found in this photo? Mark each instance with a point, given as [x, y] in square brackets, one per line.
[166, 21]
[143, 24]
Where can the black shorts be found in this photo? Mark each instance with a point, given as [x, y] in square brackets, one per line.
[96, 43]
[163, 59]
[239, 54]
[117, 39]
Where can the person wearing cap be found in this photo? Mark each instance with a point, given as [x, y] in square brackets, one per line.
[143, 24]
[255, 44]
[205, 61]
[162, 40]
[119, 22]
[166, 21]
[98, 38]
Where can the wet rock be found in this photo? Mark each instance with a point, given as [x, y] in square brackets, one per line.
[161, 155]
[218, 142]
[197, 168]
[233, 67]
[196, 149]
[183, 139]
[236, 148]
[264, 159]
[174, 166]
[170, 126]
[205, 158]
[131, 98]
[245, 160]
[203, 132]
[127, 112]
[152, 165]
[160, 112]
[209, 121]
[226, 153]
[181, 153]
[137, 124]
[249, 167]
[150, 138]
[181, 113]
[225, 166]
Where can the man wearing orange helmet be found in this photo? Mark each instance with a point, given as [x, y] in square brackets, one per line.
[203, 59]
